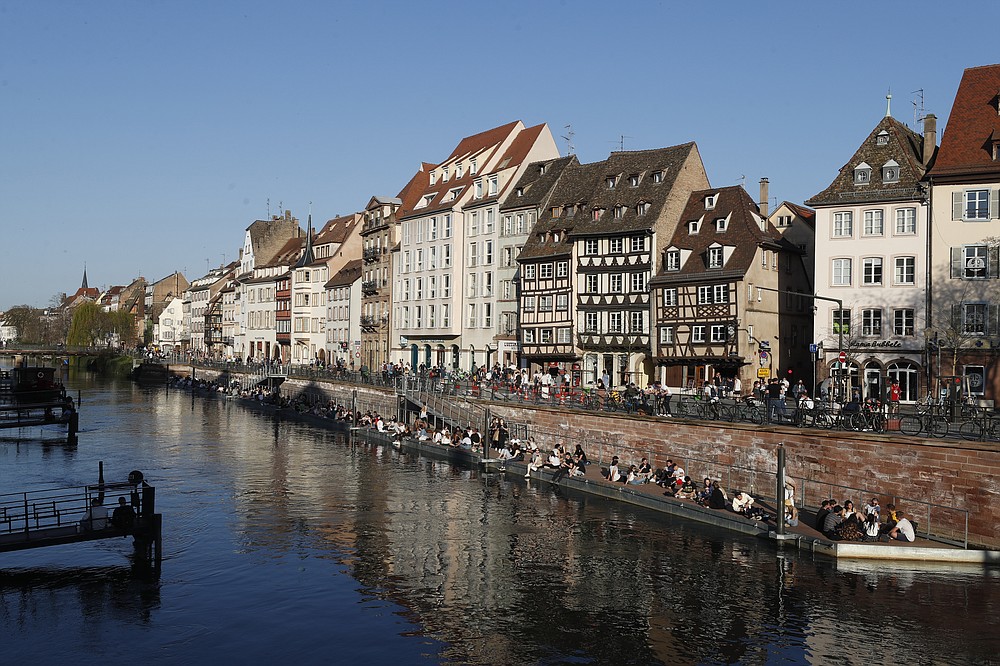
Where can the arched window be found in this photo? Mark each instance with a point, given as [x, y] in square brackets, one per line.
[908, 376]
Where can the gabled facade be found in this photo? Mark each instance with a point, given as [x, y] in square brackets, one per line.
[267, 303]
[199, 296]
[716, 295]
[518, 217]
[169, 326]
[630, 215]
[343, 323]
[871, 253]
[337, 243]
[443, 316]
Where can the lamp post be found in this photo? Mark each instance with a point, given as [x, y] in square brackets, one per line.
[840, 326]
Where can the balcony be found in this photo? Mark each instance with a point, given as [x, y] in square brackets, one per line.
[372, 254]
[369, 287]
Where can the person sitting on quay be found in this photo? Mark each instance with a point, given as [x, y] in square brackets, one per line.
[645, 470]
[635, 478]
[95, 518]
[687, 490]
[850, 527]
[581, 460]
[613, 474]
[535, 464]
[123, 517]
[718, 498]
[832, 521]
[743, 504]
[822, 513]
[873, 529]
[903, 529]
[705, 493]
[872, 508]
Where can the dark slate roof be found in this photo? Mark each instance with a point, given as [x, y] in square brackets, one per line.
[743, 233]
[537, 184]
[346, 275]
[621, 165]
[807, 214]
[973, 126]
[904, 146]
[574, 187]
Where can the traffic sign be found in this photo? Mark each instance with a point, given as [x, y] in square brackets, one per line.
[813, 349]
[763, 357]
[843, 357]
[763, 373]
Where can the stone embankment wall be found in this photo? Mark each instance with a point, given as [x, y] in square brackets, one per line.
[959, 476]
[955, 476]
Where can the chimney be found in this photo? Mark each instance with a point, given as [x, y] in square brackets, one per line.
[930, 137]
[763, 197]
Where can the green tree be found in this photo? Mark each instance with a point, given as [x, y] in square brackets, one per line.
[87, 326]
[122, 324]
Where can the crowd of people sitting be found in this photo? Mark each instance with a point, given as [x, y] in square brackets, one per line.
[842, 522]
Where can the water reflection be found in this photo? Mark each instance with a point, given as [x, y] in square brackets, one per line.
[282, 540]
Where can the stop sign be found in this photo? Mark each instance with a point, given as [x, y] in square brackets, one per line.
[843, 357]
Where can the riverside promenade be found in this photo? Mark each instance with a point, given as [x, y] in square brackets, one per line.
[919, 476]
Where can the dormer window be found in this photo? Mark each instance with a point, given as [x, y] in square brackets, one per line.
[556, 211]
[478, 187]
[453, 194]
[672, 260]
[619, 212]
[693, 226]
[520, 191]
[541, 169]
[444, 175]
[433, 177]
[862, 174]
[642, 208]
[493, 185]
[610, 182]
[890, 172]
[715, 258]
[472, 167]
[426, 200]
[882, 138]
[721, 224]
[710, 202]
[657, 176]
[555, 236]
[570, 210]
[598, 212]
[459, 170]
[633, 180]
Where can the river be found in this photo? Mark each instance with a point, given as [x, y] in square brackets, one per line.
[285, 543]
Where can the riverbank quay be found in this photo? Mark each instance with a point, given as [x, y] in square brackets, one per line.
[734, 477]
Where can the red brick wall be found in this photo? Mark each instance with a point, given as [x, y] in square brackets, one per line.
[959, 475]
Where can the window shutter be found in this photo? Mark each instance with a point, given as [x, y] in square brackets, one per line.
[956, 205]
[994, 259]
[993, 325]
[956, 262]
[994, 204]
[956, 316]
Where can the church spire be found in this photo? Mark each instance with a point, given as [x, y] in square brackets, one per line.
[307, 254]
[84, 285]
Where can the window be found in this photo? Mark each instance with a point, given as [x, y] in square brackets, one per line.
[871, 322]
[638, 283]
[615, 322]
[977, 205]
[490, 222]
[477, 189]
[862, 174]
[591, 246]
[619, 212]
[642, 208]
[882, 139]
[667, 335]
[617, 245]
[564, 335]
[473, 258]
[445, 315]
[445, 287]
[529, 303]
[871, 272]
[698, 334]
[473, 285]
[657, 176]
[432, 258]
[903, 321]
[842, 322]
[590, 322]
[693, 226]
[562, 302]
[784, 221]
[419, 289]
[715, 257]
[718, 333]
[545, 303]
[843, 224]
[492, 187]
[710, 202]
[529, 336]
[487, 315]
[488, 253]
[419, 263]
[474, 223]
[975, 262]
[473, 319]
[637, 244]
[544, 271]
[673, 260]
[472, 166]
[610, 181]
[446, 255]
[720, 293]
[905, 270]
[874, 224]
[591, 284]
[670, 296]
[721, 224]
[562, 269]
[637, 322]
[842, 272]
[545, 336]
[431, 316]
[890, 172]
[906, 221]
[432, 287]
[704, 295]
[446, 232]
[529, 271]
[974, 318]
[616, 280]
[633, 180]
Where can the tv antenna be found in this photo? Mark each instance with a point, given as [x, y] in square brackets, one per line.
[268, 208]
[918, 107]
[621, 141]
[568, 137]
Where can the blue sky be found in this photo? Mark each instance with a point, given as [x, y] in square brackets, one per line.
[140, 138]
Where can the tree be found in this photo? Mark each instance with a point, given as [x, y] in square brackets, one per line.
[87, 326]
[27, 321]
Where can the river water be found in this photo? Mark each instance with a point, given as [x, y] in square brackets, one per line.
[285, 543]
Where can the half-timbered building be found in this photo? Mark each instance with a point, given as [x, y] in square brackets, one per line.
[724, 295]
